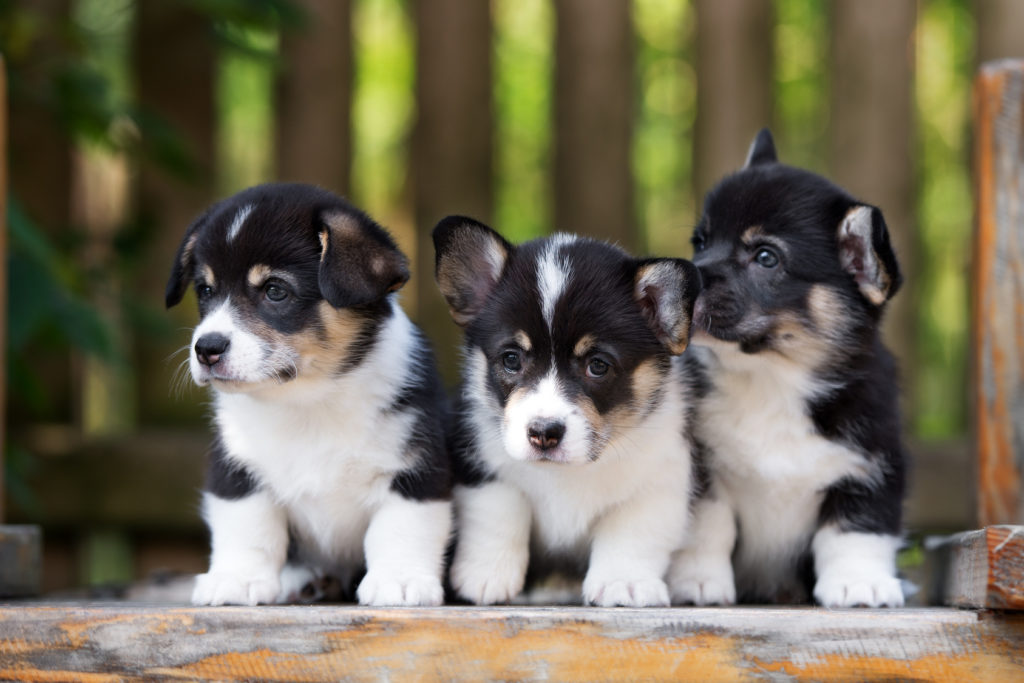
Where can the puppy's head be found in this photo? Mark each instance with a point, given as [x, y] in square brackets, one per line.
[290, 280]
[568, 339]
[791, 264]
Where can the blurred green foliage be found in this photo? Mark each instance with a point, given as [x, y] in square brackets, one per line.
[88, 86]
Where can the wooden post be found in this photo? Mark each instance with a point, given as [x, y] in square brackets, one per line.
[986, 569]
[594, 97]
[871, 140]
[998, 291]
[452, 155]
[3, 281]
[735, 57]
[314, 97]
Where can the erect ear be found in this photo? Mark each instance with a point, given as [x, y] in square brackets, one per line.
[866, 253]
[359, 263]
[469, 260]
[666, 290]
[762, 150]
[183, 269]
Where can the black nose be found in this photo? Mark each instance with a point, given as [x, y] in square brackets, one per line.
[210, 347]
[545, 434]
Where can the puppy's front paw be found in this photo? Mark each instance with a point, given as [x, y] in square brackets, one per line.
[878, 590]
[694, 583]
[378, 590]
[483, 584]
[625, 592]
[223, 588]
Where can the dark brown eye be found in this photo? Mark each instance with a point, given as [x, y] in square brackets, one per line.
[204, 291]
[698, 242]
[766, 258]
[512, 361]
[597, 368]
[275, 293]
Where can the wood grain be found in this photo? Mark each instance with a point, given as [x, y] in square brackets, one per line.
[3, 277]
[998, 290]
[118, 642]
[987, 569]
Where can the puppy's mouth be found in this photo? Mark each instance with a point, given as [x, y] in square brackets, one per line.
[223, 378]
[722, 324]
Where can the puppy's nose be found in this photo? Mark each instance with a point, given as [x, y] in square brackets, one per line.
[210, 347]
[545, 434]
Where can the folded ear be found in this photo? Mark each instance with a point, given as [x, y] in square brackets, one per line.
[359, 262]
[183, 269]
[866, 253]
[469, 260]
[762, 150]
[666, 290]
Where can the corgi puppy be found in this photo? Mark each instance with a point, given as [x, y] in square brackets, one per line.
[571, 440]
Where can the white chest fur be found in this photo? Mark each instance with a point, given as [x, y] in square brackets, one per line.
[325, 449]
[768, 460]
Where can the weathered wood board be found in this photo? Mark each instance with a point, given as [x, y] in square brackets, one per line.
[325, 643]
[998, 291]
[987, 569]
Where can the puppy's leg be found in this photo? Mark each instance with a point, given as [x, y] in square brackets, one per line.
[856, 568]
[701, 573]
[493, 548]
[405, 546]
[631, 549]
[249, 539]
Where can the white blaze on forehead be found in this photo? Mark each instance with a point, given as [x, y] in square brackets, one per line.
[553, 272]
[238, 221]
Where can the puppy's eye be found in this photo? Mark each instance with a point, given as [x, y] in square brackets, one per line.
[597, 368]
[275, 293]
[698, 242]
[512, 361]
[204, 291]
[766, 258]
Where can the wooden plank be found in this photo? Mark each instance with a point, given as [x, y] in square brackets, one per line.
[119, 642]
[21, 552]
[3, 277]
[987, 569]
[998, 290]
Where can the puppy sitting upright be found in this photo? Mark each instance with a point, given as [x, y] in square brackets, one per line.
[805, 467]
[330, 449]
[573, 428]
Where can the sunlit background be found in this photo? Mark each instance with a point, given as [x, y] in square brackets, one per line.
[106, 171]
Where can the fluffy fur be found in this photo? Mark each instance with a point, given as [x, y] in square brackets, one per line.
[571, 440]
[800, 422]
[330, 450]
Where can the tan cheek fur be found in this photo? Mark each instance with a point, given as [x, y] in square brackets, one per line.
[813, 345]
[326, 350]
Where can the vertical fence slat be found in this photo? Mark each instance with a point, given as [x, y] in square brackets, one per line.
[314, 97]
[593, 120]
[734, 84]
[3, 282]
[998, 290]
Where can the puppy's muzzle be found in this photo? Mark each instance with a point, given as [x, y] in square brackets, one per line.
[210, 347]
[545, 434]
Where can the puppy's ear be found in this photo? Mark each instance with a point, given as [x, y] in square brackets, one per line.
[866, 253]
[762, 150]
[469, 260]
[359, 263]
[183, 269]
[666, 290]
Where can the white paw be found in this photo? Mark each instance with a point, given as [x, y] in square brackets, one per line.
[625, 592]
[695, 583]
[487, 585]
[859, 591]
[298, 584]
[222, 588]
[415, 591]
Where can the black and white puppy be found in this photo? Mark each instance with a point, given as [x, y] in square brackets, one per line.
[573, 433]
[330, 451]
[800, 422]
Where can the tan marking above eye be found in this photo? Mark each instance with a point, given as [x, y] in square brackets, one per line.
[522, 340]
[207, 274]
[752, 233]
[584, 345]
[258, 274]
